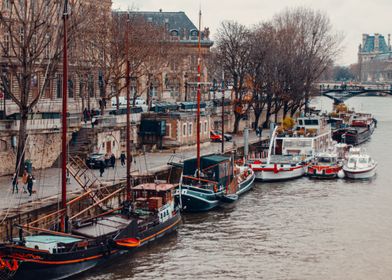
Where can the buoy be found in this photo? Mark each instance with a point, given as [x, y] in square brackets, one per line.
[341, 174]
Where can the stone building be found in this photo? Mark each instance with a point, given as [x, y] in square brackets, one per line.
[375, 59]
[176, 79]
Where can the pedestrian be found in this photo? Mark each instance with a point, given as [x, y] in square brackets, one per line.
[85, 115]
[260, 131]
[113, 160]
[122, 158]
[30, 184]
[15, 183]
[104, 102]
[101, 168]
[25, 176]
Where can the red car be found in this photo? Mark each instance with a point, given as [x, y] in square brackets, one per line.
[214, 137]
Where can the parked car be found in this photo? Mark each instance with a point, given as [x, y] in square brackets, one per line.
[95, 160]
[214, 137]
[228, 137]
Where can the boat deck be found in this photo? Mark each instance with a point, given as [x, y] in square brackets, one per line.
[104, 226]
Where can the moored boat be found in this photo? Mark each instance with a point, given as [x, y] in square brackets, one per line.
[359, 165]
[325, 166]
[290, 151]
[219, 183]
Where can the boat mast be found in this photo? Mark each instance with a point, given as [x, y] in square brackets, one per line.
[198, 98]
[127, 81]
[64, 121]
[223, 112]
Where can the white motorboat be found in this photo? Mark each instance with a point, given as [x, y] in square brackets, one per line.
[359, 165]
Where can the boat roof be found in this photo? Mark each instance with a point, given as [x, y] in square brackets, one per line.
[154, 187]
[48, 239]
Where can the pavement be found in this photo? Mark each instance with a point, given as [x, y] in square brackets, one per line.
[48, 182]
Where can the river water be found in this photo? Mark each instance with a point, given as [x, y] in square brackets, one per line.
[302, 229]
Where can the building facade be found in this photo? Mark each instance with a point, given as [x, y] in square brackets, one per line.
[375, 59]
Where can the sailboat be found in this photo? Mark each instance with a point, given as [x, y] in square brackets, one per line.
[210, 181]
[71, 244]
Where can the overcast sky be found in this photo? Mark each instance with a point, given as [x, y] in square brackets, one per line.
[351, 17]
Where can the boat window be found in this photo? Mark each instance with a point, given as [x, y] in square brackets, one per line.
[300, 122]
[311, 122]
[362, 160]
[324, 159]
[352, 160]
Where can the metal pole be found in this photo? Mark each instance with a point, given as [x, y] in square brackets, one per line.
[198, 103]
[64, 121]
[128, 137]
[223, 114]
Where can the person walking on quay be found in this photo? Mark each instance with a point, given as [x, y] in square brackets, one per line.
[85, 115]
[24, 180]
[113, 160]
[101, 169]
[15, 183]
[122, 158]
[30, 184]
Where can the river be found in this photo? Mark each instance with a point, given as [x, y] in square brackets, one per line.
[302, 229]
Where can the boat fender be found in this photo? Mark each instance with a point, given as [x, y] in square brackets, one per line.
[341, 174]
[215, 188]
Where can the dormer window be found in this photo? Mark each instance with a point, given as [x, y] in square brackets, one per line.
[194, 33]
[174, 33]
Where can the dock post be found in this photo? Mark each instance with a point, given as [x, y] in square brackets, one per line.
[246, 143]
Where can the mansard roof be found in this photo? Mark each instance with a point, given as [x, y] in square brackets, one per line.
[177, 24]
[369, 45]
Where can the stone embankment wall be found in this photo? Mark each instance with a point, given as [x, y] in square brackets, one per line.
[42, 149]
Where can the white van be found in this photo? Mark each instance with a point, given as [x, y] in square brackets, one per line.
[121, 100]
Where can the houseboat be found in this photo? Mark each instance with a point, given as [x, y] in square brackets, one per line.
[291, 150]
[219, 182]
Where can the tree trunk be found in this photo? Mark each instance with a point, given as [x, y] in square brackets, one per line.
[267, 116]
[237, 118]
[20, 156]
[257, 114]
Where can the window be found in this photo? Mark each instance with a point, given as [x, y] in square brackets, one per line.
[91, 85]
[184, 129]
[205, 127]
[6, 43]
[190, 129]
[47, 46]
[59, 89]
[168, 130]
[6, 4]
[70, 88]
[48, 89]
[101, 84]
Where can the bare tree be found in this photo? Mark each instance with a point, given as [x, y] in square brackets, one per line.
[31, 49]
[234, 55]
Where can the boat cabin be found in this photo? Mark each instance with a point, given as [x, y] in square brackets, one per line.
[51, 243]
[154, 198]
[309, 136]
[326, 159]
[216, 172]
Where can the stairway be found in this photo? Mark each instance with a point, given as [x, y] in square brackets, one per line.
[87, 180]
[82, 143]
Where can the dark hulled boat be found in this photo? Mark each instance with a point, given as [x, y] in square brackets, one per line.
[56, 255]
[219, 183]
